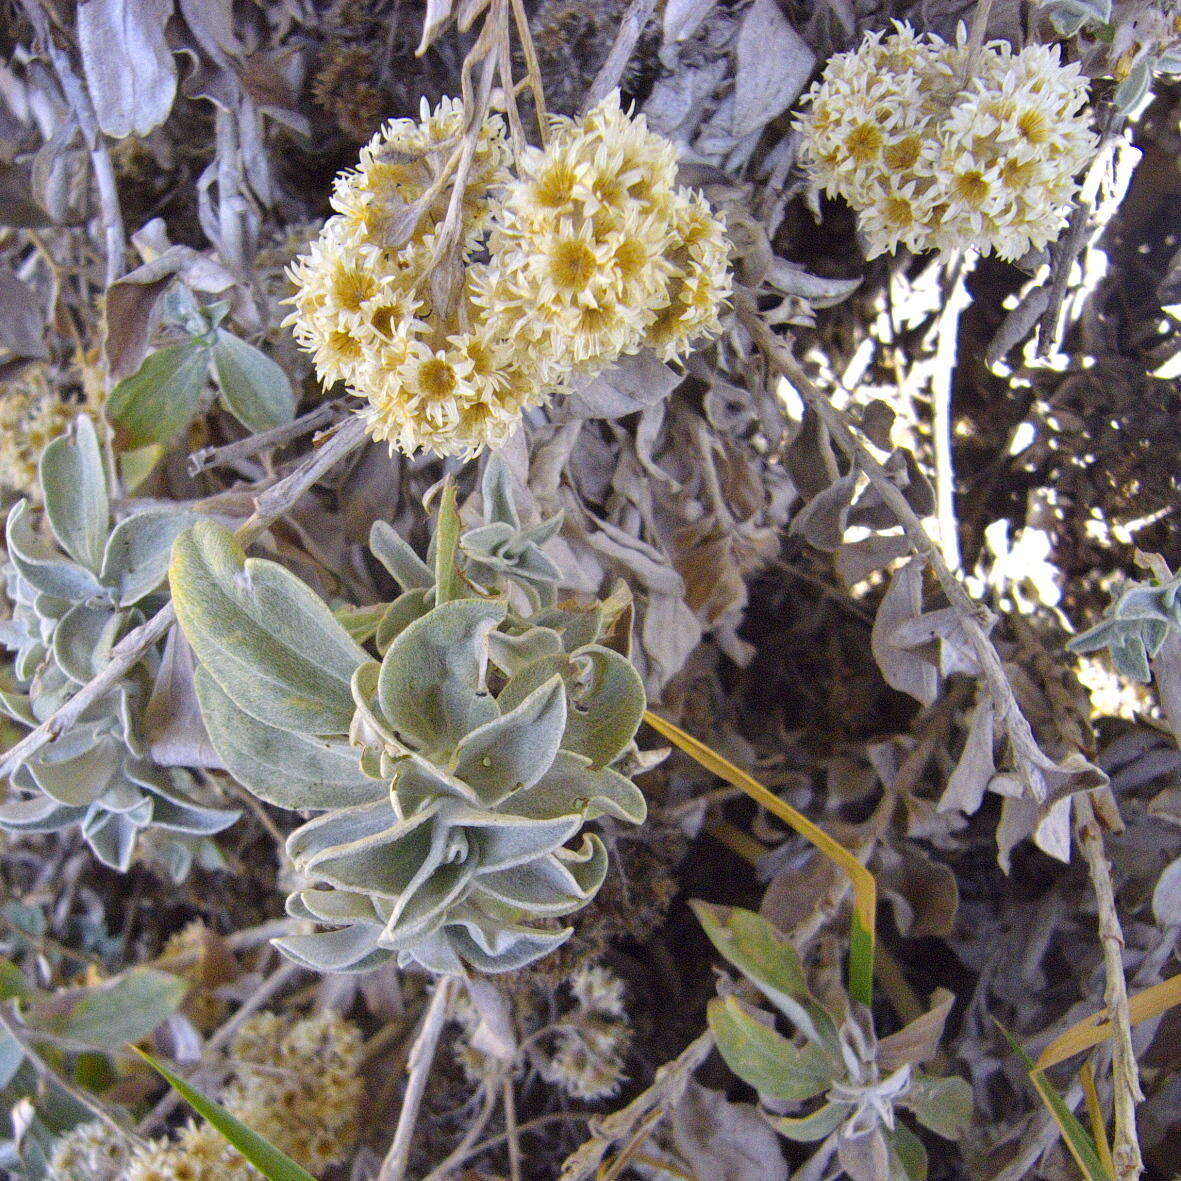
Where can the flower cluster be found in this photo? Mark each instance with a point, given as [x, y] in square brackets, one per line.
[296, 1083]
[92, 1151]
[936, 150]
[588, 251]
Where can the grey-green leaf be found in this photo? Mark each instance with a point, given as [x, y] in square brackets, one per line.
[135, 560]
[74, 485]
[272, 645]
[774, 1066]
[160, 398]
[254, 388]
[288, 769]
[431, 684]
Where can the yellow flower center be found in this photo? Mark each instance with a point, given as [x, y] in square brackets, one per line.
[971, 187]
[572, 265]
[903, 154]
[437, 379]
[864, 142]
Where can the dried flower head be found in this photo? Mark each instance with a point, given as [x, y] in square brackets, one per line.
[589, 252]
[937, 151]
[91, 1151]
[31, 415]
[295, 1082]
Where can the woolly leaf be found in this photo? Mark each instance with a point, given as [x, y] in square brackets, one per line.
[268, 641]
[255, 389]
[74, 485]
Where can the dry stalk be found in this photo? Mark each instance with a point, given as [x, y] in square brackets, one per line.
[974, 618]
[422, 1055]
[664, 1093]
[1126, 1091]
[638, 14]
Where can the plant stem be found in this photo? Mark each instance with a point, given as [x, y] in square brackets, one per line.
[422, 1055]
[1125, 1074]
[630, 27]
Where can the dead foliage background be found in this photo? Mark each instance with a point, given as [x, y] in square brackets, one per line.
[762, 504]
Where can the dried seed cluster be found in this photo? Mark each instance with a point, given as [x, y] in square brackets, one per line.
[936, 151]
[296, 1083]
[31, 415]
[587, 251]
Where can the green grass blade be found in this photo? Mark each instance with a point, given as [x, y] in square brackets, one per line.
[1077, 1138]
[260, 1152]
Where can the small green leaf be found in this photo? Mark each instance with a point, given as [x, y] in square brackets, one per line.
[254, 388]
[944, 1105]
[260, 1152]
[160, 398]
[74, 484]
[774, 1066]
[126, 1008]
[908, 1157]
[447, 584]
[769, 961]
[807, 1129]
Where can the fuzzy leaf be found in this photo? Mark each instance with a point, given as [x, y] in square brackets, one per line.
[431, 684]
[770, 962]
[41, 567]
[942, 1104]
[254, 388]
[774, 1066]
[160, 399]
[135, 560]
[406, 568]
[268, 641]
[74, 485]
[126, 1008]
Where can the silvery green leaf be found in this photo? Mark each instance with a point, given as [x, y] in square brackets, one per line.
[500, 947]
[254, 388]
[338, 907]
[942, 1104]
[14, 703]
[402, 612]
[514, 751]
[510, 653]
[367, 847]
[74, 486]
[499, 841]
[262, 634]
[111, 836]
[350, 949]
[361, 622]
[191, 819]
[431, 686]
[83, 639]
[41, 567]
[607, 695]
[416, 782]
[497, 490]
[572, 783]
[808, 1129]
[776, 1067]
[1131, 91]
[1169, 62]
[39, 814]
[772, 964]
[135, 560]
[282, 767]
[81, 778]
[423, 909]
[126, 1008]
[407, 569]
[908, 1156]
[160, 399]
[549, 886]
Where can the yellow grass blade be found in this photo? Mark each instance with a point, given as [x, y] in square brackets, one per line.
[861, 950]
[1151, 1002]
[1095, 1114]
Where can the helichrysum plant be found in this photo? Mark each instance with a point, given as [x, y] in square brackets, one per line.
[454, 777]
[76, 583]
[938, 149]
[569, 257]
[832, 1082]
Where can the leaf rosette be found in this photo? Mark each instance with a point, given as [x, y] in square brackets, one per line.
[72, 599]
[455, 776]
